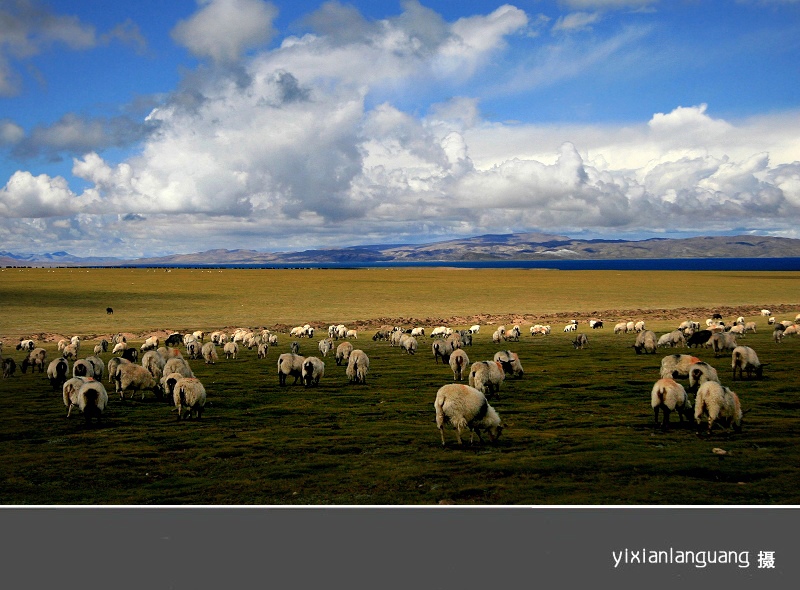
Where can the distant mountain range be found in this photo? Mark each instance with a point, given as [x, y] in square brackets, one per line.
[490, 247]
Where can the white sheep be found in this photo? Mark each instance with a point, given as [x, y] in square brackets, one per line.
[669, 396]
[57, 372]
[119, 347]
[475, 329]
[486, 376]
[194, 349]
[746, 360]
[465, 407]
[645, 342]
[416, 332]
[766, 312]
[441, 349]
[357, 367]
[26, 345]
[177, 364]
[289, 364]
[92, 399]
[112, 366]
[510, 362]
[750, 327]
[621, 328]
[262, 350]
[671, 339]
[313, 371]
[722, 341]
[70, 390]
[408, 343]
[35, 358]
[154, 362]
[150, 343]
[458, 362]
[701, 373]
[325, 345]
[343, 353]
[209, 352]
[580, 342]
[70, 352]
[135, 378]
[189, 397]
[777, 336]
[571, 327]
[231, 349]
[719, 404]
[351, 334]
[168, 382]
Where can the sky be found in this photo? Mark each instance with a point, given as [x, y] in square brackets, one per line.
[146, 128]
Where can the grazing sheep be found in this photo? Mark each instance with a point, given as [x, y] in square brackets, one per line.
[701, 373]
[343, 353]
[486, 376]
[70, 352]
[174, 339]
[671, 339]
[766, 312]
[168, 382]
[119, 347]
[676, 366]
[595, 324]
[289, 364]
[720, 404]
[295, 347]
[194, 349]
[465, 407]
[117, 338]
[135, 378]
[189, 396]
[154, 362]
[668, 395]
[699, 338]
[231, 349]
[745, 359]
[91, 400]
[325, 346]
[357, 367]
[26, 345]
[455, 341]
[35, 358]
[199, 335]
[571, 328]
[510, 362]
[209, 352]
[70, 390]
[737, 329]
[458, 362]
[408, 343]
[57, 373]
[131, 354]
[313, 371]
[262, 350]
[513, 334]
[621, 328]
[351, 334]
[722, 341]
[415, 332]
[109, 310]
[441, 349]
[777, 336]
[150, 344]
[581, 340]
[645, 342]
[750, 327]
[88, 367]
[112, 366]
[177, 365]
[475, 329]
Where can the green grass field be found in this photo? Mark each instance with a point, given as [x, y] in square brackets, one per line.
[578, 425]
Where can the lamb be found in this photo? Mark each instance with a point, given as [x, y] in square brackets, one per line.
[510, 362]
[358, 367]
[209, 352]
[581, 340]
[135, 378]
[189, 396]
[720, 404]
[57, 373]
[465, 407]
[745, 359]
[231, 349]
[289, 364]
[677, 366]
[313, 371]
[408, 343]
[343, 352]
[458, 361]
[486, 377]
[668, 395]
[35, 358]
[645, 342]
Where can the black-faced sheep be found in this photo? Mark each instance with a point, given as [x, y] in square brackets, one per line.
[189, 396]
[580, 341]
[700, 373]
[343, 353]
[357, 367]
[669, 396]
[486, 376]
[26, 345]
[289, 364]
[465, 407]
[313, 371]
[510, 362]
[719, 404]
[168, 382]
[131, 354]
[745, 360]
[458, 362]
[91, 400]
[441, 349]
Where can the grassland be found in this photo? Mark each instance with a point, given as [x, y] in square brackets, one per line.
[578, 424]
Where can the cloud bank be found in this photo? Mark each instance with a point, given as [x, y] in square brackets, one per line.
[287, 148]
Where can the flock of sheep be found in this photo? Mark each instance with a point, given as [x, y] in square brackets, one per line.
[164, 370]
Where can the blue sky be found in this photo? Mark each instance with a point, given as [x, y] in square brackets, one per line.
[146, 128]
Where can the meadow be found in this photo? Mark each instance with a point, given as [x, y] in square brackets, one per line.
[578, 425]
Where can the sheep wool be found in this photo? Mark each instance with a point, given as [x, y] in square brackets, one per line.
[669, 396]
[465, 407]
[189, 397]
[719, 404]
